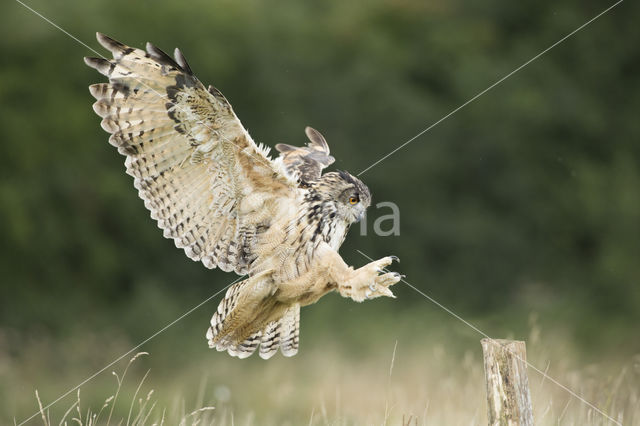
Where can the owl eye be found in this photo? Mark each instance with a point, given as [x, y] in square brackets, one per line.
[353, 200]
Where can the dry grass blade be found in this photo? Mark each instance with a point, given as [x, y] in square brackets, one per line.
[62, 420]
[44, 418]
[133, 400]
[387, 411]
[120, 379]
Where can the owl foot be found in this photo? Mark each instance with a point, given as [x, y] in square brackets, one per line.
[368, 283]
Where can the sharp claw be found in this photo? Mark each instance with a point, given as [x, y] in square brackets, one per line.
[395, 258]
[387, 292]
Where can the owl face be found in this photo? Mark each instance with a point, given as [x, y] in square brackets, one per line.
[352, 198]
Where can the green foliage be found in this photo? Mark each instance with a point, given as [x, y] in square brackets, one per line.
[527, 197]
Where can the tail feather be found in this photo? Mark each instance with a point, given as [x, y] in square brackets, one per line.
[270, 340]
[226, 306]
[290, 331]
[246, 348]
[281, 334]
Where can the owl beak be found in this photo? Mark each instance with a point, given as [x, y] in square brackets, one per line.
[361, 216]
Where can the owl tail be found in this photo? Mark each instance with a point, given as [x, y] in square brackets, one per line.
[226, 326]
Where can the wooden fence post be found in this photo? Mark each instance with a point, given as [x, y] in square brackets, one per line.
[508, 396]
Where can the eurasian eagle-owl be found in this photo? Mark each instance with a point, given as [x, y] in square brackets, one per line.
[222, 199]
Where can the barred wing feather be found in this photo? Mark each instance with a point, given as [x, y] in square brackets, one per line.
[205, 181]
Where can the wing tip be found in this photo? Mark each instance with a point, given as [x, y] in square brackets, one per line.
[114, 46]
[180, 59]
[103, 66]
[104, 40]
[119, 48]
[160, 56]
[92, 61]
[316, 138]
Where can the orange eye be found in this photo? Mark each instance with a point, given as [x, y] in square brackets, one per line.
[353, 200]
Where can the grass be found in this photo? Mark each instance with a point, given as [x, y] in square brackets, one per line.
[394, 370]
[142, 409]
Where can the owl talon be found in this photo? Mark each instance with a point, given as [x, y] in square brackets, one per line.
[372, 281]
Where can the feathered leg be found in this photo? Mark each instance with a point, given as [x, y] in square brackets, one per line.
[367, 282]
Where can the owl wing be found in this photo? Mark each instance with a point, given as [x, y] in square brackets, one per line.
[205, 181]
[307, 162]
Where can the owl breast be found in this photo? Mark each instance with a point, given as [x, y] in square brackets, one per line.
[336, 234]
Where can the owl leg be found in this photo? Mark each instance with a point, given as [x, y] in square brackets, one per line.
[368, 282]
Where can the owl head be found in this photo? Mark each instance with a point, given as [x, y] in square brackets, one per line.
[348, 194]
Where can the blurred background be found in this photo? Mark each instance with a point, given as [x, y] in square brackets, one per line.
[521, 212]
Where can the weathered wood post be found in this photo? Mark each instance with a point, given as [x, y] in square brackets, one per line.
[508, 396]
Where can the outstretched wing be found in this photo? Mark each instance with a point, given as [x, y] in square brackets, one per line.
[209, 186]
[308, 161]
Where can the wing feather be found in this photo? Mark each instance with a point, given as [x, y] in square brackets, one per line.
[192, 161]
[307, 162]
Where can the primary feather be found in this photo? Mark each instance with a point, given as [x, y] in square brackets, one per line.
[192, 161]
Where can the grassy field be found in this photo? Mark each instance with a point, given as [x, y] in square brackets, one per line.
[413, 368]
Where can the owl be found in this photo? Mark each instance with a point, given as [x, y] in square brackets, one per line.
[228, 204]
